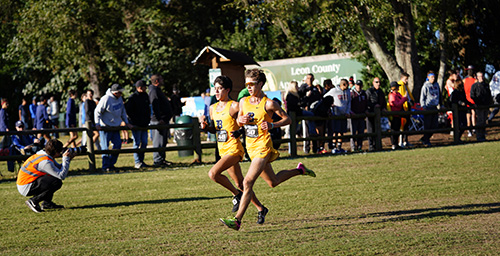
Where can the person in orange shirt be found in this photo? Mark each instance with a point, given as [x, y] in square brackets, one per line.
[468, 82]
[41, 176]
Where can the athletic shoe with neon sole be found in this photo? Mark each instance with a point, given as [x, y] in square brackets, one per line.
[306, 171]
[231, 223]
[261, 218]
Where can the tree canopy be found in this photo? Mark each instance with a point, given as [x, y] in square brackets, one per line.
[53, 46]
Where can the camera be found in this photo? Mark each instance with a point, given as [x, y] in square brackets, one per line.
[76, 151]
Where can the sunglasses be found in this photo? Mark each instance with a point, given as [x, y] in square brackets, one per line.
[251, 83]
[376, 82]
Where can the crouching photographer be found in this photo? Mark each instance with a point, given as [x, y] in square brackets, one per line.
[40, 176]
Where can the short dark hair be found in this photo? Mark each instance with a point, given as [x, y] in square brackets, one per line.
[53, 146]
[404, 74]
[225, 81]
[328, 82]
[256, 74]
[72, 92]
[155, 78]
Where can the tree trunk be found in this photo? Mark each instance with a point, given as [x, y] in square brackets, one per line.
[94, 81]
[442, 56]
[377, 47]
[405, 47]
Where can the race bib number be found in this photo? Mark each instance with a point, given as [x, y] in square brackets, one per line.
[252, 131]
[222, 136]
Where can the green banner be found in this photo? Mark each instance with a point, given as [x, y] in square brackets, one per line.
[332, 66]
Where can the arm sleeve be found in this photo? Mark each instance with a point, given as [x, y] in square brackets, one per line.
[422, 96]
[52, 169]
[98, 112]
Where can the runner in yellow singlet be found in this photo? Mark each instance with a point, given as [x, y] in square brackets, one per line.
[223, 115]
[255, 115]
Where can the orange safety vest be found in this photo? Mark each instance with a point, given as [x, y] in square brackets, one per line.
[28, 172]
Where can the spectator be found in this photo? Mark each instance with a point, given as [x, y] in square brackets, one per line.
[176, 102]
[42, 118]
[396, 102]
[276, 132]
[458, 97]
[376, 99]
[328, 85]
[309, 94]
[71, 119]
[351, 83]
[139, 115]
[53, 110]
[89, 109]
[405, 121]
[495, 93]
[33, 107]
[4, 116]
[449, 87]
[359, 106]
[162, 113]
[22, 144]
[322, 108]
[110, 112]
[82, 117]
[243, 93]
[41, 176]
[450, 82]
[341, 107]
[4, 125]
[293, 104]
[468, 82]
[24, 112]
[430, 99]
[481, 94]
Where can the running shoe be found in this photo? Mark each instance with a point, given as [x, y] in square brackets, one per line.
[306, 171]
[231, 223]
[236, 201]
[50, 205]
[261, 218]
[33, 206]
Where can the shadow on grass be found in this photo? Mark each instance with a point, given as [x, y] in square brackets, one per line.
[159, 201]
[403, 215]
[426, 213]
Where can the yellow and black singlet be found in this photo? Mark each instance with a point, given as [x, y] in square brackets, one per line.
[258, 142]
[225, 124]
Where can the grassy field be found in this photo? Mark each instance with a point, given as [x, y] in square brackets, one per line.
[435, 201]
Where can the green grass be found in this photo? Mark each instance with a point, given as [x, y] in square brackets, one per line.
[436, 201]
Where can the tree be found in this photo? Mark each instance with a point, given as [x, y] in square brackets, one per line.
[393, 36]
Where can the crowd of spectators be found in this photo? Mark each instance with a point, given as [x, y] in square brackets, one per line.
[348, 101]
[472, 94]
[145, 106]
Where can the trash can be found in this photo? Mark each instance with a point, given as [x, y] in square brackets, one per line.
[184, 136]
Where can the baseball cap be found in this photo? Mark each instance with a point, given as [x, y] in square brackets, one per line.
[19, 123]
[116, 88]
[469, 67]
[394, 84]
[359, 82]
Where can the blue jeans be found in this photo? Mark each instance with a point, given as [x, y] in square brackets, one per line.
[140, 141]
[109, 160]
